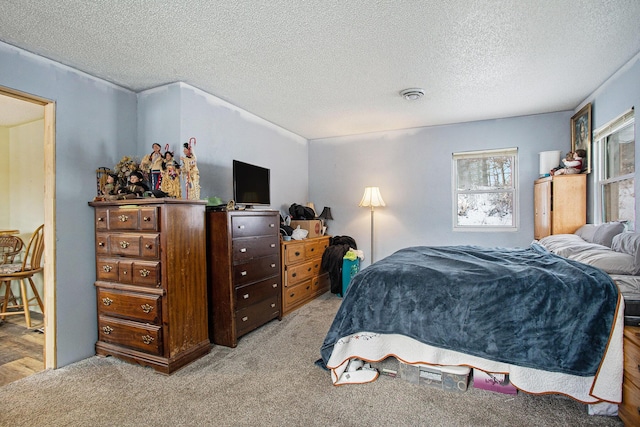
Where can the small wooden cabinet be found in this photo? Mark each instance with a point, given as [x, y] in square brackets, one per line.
[151, 281]
[244, 279]
[560, 204]
[303, 276]
[629, 409]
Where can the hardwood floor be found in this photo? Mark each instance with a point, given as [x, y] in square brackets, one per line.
[21, 349]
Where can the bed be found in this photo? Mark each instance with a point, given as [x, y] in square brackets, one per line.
[553, 324]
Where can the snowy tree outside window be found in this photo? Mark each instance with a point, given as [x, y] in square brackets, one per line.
[615, 173]
[485, 196]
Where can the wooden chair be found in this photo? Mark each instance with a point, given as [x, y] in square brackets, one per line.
[10, 246]
[23, 271]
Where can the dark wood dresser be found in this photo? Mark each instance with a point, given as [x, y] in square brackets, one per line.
[243, 272]
[151, 281]
[303, 277]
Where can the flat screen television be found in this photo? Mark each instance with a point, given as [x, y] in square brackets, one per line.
[250, 185]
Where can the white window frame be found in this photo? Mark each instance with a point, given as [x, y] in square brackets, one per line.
[599, 136]
[512, 152]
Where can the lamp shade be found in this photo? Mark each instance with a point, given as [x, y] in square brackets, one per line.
[326, 213]
[372, 197]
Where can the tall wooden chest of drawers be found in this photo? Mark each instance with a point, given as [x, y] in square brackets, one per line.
[151, 281]
[303, 277]
[243, 272]
[629, 409]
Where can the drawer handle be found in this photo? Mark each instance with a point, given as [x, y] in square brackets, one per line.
[148, 246]
[147, 339]
[273, 305]
[146, 308]
[272, 225]
[124, 244]
[144, 272]
[291, 295]
[107, 330]
[273, 245]
[294, 274]
[245, 318]
[146, 218]
[100, 219]
[309, 269]
[243, 273]
[101, 244]
[107, 301]
[245, 296]
[107, 268]
[123, 218]
[241, 227]
[124, 272]
[275, 285]
[243, 250]
[297, 253]
[313, 249]
[273, 266]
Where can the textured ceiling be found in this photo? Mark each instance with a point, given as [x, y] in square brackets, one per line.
[333, 67]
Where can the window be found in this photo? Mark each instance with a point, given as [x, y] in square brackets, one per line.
[484, 195]
[615, 145]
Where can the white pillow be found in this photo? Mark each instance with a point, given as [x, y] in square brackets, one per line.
[628, 243]
[587, 232]
[567, 245]
[606, 232]
[611, 262]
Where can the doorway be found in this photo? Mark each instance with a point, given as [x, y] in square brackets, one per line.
[25, 104]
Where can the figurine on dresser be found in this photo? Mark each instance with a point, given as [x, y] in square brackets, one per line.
[170, 182]
[190, 171]
[110, 188]
[152, 164]
[136, 187]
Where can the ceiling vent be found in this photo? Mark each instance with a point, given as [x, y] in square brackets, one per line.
[412, 94]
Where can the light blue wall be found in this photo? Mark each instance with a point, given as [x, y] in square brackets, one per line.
[413, 170]
[95, 123]
[177, 112]
[617, 95]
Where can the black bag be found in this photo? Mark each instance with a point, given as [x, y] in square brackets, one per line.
[301, 212]
[333, 258]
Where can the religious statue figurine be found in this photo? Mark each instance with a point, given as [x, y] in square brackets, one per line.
[152, 164]
[190, 171]
[170, 182]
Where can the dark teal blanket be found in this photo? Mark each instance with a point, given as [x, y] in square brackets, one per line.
[523, 306]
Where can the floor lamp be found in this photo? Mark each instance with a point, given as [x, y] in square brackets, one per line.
[371, 198]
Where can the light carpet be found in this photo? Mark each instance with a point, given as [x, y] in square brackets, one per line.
[270, 379]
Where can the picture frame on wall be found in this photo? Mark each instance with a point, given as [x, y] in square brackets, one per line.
[581, 135]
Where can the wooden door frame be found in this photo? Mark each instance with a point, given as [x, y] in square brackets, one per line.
[49, 274]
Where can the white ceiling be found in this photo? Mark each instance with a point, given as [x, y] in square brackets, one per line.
[333, 67]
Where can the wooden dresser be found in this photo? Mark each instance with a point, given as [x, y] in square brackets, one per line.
[303, 277]
[151, 281]
[629, 409]
[560, 204]
[243, 272]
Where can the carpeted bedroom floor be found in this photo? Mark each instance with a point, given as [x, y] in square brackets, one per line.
[270, 379]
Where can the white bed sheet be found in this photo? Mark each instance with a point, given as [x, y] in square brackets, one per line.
[605, 386]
